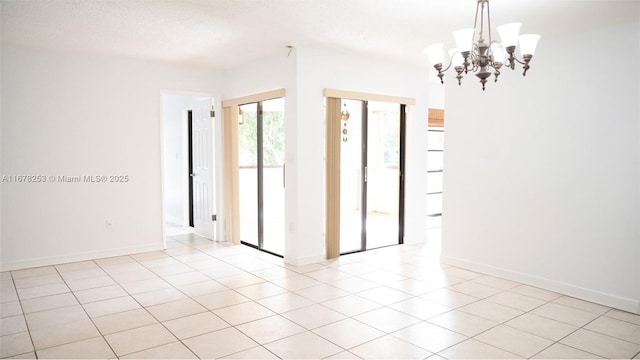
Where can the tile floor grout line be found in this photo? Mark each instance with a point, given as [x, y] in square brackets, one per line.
[474, 337]
[158, 320]
[605, 334]
[625, 321]
[35, 351]
[181, 341]
[24, 316]
[236, 326]
[138, 327]
[558, 341]
[254, 300]
[85, 310]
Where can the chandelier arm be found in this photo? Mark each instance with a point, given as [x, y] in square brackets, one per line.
[441, 71]
[448, 66]
[489, 21]
[519, 61]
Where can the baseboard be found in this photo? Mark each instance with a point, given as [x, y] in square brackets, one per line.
[614, 301]
[409, 240]
[55, 260]
[304, 261]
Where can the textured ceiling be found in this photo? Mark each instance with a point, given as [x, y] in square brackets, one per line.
[223, 33]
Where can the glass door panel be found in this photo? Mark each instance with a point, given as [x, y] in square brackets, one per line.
[273, 172]
[382, 174]
[370, 165]
[248, 172]
[351, 178]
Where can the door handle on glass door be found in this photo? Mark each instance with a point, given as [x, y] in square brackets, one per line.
[284, 175]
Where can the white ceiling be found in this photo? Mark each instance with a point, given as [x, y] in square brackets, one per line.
[224, 33]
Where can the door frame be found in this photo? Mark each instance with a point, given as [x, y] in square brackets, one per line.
[217, 156]
[260, 175]
[332, 164]
[229, 162]
[364, 164]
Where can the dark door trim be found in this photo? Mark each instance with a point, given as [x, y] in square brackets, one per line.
[190, 160]
[363, 171]
[260, 173]
[403, 138]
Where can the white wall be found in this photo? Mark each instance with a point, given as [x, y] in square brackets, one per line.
[542, 179]
[72, 114]
[305, 74]
[318, 70]
[277, 72]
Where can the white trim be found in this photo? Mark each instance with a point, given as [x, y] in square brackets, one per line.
[57, 260]
[304, 261]
[267, 95]
[356, 95]
[162, 181]
[185, 168]
[618, 302]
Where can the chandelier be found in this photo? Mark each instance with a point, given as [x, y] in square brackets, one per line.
[484, 56]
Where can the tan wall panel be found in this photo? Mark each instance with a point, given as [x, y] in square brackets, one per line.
[334, 136]
[436, 117]
[231, 194]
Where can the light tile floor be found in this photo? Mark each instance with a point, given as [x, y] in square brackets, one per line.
[201, 299]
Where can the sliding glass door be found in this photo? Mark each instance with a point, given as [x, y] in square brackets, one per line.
[371, 175]
[261, 174]
[351, 179]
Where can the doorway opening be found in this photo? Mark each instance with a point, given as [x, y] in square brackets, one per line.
[261, 173]
[371, 175]
[188, 163]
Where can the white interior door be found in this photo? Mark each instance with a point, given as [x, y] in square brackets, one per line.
[203, 170]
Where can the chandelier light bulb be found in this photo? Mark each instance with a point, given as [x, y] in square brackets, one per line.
[509, 34]
[464, 39]
[528, 43]
[435, 53]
